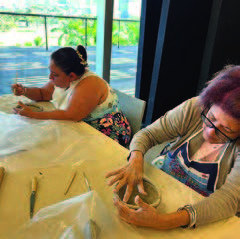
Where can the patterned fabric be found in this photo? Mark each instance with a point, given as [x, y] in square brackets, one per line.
[200, 176]
[109, 119]
[111, 104]
[115, 125]
[106, 117]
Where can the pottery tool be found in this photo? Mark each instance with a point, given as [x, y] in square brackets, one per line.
[2, 172]
[33, 196]
[70, 182]
[15, 82]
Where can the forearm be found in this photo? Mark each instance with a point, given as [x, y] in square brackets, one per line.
[36, 94]
[53, 115]
[173, 220]
[152, 135]
[136, 155]
[33, 93]
[137, 159]
[169, 127]
[142, 141]
[220, 205]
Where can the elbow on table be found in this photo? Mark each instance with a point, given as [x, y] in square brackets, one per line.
[72, 117]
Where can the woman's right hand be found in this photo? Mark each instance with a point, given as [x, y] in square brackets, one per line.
[18, 89]
[130, 175]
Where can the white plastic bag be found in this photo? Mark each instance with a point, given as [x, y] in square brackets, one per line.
[81, 217]
[19, 133]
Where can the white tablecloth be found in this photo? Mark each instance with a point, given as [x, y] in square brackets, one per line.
[80, 148]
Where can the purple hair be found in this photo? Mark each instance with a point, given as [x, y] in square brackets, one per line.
[224, 91]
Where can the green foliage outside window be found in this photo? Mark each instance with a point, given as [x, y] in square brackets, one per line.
[6, 23]
[73, 33]
[127, 34]
[28, 43]
[38, 41]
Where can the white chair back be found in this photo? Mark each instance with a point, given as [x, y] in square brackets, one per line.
[133, 108]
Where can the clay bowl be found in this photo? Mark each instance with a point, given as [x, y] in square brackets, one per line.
[33, 107]
[152, 197]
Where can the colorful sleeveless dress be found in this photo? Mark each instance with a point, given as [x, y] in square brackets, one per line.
[106, 117]
[200, 175]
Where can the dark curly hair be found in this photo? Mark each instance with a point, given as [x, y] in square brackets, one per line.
[224, 91]
[68, 61]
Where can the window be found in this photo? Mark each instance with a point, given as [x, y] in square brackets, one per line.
[25, 48]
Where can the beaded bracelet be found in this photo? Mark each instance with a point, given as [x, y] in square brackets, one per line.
[192, 214]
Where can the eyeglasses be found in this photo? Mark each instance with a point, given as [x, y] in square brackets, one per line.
[223, 137]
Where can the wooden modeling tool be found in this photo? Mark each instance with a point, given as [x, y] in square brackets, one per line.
[70, 182]
[2, 172]
[15, 82]
[33, 196]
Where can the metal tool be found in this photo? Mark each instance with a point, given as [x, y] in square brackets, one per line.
[70, 183]
[33, 196]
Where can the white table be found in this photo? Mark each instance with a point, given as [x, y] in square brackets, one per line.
[91, 152]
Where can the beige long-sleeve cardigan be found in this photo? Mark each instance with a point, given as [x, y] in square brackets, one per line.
[178, 125]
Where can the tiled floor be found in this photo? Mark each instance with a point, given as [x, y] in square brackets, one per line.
[30, 66]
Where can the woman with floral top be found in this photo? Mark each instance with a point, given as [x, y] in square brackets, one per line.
[78, 94]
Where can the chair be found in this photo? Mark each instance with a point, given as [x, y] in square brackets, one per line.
[133, 108]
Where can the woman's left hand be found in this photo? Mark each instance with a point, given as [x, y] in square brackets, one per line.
[147, 216]
[23, 110]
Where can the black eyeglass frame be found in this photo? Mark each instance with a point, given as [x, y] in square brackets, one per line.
[217, 130]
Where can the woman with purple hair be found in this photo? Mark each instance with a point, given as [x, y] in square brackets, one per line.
[200, 148]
